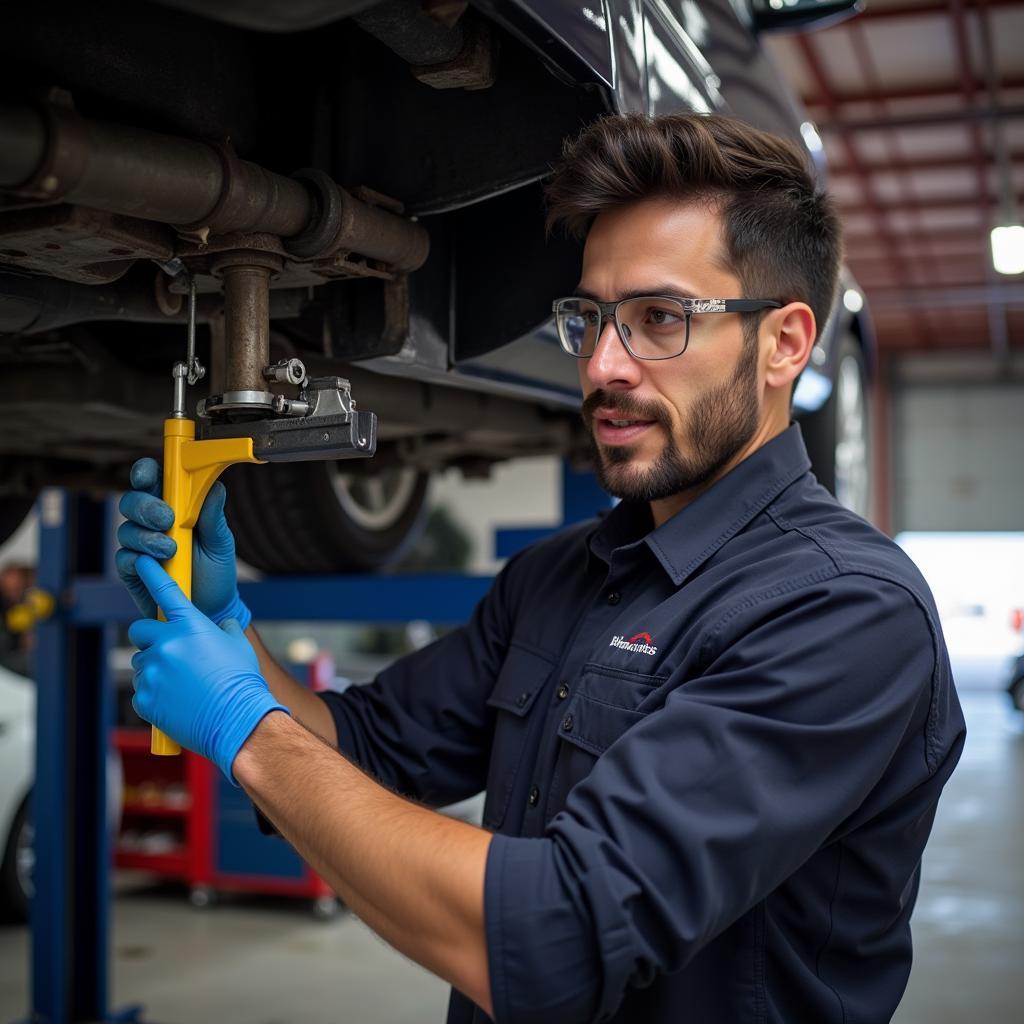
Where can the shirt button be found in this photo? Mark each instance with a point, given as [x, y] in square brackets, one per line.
[567, 723]
[614, 597]
[563, 692]
[523, 698]
[534, 796]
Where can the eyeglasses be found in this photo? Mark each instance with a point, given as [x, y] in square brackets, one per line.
[650, 326]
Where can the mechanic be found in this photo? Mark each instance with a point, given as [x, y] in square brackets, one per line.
[712, 726]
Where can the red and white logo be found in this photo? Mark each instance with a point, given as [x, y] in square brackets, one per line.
[642, 643]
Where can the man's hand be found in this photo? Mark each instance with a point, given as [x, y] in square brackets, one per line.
[194, 680]
[214, 579]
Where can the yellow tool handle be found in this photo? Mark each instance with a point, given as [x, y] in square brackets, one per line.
[179, 565]
[190, 469]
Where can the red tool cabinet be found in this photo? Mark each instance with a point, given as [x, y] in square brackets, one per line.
[182, 819]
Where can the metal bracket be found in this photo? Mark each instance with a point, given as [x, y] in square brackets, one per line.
[288, 440]
[322, 423]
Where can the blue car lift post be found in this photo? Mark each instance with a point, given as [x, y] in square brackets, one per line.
[70, 915]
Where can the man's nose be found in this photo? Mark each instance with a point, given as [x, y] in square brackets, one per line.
[611, 365]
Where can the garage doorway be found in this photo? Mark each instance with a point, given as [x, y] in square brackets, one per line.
[958, 455]
[978, 583]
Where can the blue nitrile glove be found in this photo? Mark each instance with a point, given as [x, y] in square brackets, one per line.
[196, 681]
[214, 578]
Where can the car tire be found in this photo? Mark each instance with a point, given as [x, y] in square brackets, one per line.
[13, 510]
[838, 435]
[313, 517]
[16, 869]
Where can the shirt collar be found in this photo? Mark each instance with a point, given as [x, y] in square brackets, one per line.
[694, 534]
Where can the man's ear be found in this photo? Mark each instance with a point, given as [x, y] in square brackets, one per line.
[792, 331]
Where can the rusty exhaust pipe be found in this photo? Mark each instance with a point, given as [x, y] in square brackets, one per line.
[52, 154]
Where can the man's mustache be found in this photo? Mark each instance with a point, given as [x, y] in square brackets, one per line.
[626, 405]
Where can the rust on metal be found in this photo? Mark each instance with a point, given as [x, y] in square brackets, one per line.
[203, 190]
[76, 244]
[246, 276]
[474, 67]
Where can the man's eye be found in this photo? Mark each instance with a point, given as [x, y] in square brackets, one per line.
[593, 319]
[663, 317]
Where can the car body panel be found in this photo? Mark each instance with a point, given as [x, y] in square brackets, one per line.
[17, 746]
[698, 57]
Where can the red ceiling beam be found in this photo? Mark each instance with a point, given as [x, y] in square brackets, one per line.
[952, 202]
[952, 162]
[868, 247]
[932, 91]
[864, 262]
[893, 337]
[977, 293]
[892, 334]
[1003, 159]
[923, 235]
[858, 41]
[978, 147]
[924, 120]
[934, 7]
[896, 341]
[877, 290]
[852, 157]
[870, 270]
[958, 318]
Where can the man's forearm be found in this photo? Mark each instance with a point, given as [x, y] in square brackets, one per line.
[304, 705]
[414, 876]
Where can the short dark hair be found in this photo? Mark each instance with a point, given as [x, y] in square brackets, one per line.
[781, 232]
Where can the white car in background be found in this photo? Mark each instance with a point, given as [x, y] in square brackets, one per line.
[17, 757]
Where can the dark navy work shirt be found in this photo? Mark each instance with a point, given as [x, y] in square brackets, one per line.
[712, 754]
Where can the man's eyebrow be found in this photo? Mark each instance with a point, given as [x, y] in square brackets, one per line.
[654, 289]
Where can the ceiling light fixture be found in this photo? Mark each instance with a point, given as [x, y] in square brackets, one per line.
[1008, 249]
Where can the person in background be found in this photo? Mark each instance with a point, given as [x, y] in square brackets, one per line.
[15, 645]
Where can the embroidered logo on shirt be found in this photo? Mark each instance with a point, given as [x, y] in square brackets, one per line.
[639, 644]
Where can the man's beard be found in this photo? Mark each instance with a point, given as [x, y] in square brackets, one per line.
[720, 423]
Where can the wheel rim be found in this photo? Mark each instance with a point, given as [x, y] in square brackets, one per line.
[375, 503]
[852, 479]
[25, 858]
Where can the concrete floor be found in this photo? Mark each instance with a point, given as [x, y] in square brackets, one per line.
[968, 925]
[251, 961]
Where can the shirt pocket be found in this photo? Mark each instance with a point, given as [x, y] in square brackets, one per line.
[602, 710]
[523, 676]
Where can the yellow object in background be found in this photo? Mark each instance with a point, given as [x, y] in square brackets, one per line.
[35, 606]
[190, 469]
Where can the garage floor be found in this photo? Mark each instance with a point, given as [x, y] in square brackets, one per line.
[256, 962]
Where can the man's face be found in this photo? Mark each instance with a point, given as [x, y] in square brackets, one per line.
[690, 417]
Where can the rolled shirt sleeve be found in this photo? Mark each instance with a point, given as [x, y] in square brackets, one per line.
[714, 798]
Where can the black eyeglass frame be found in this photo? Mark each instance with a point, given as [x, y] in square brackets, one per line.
[610, 311]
